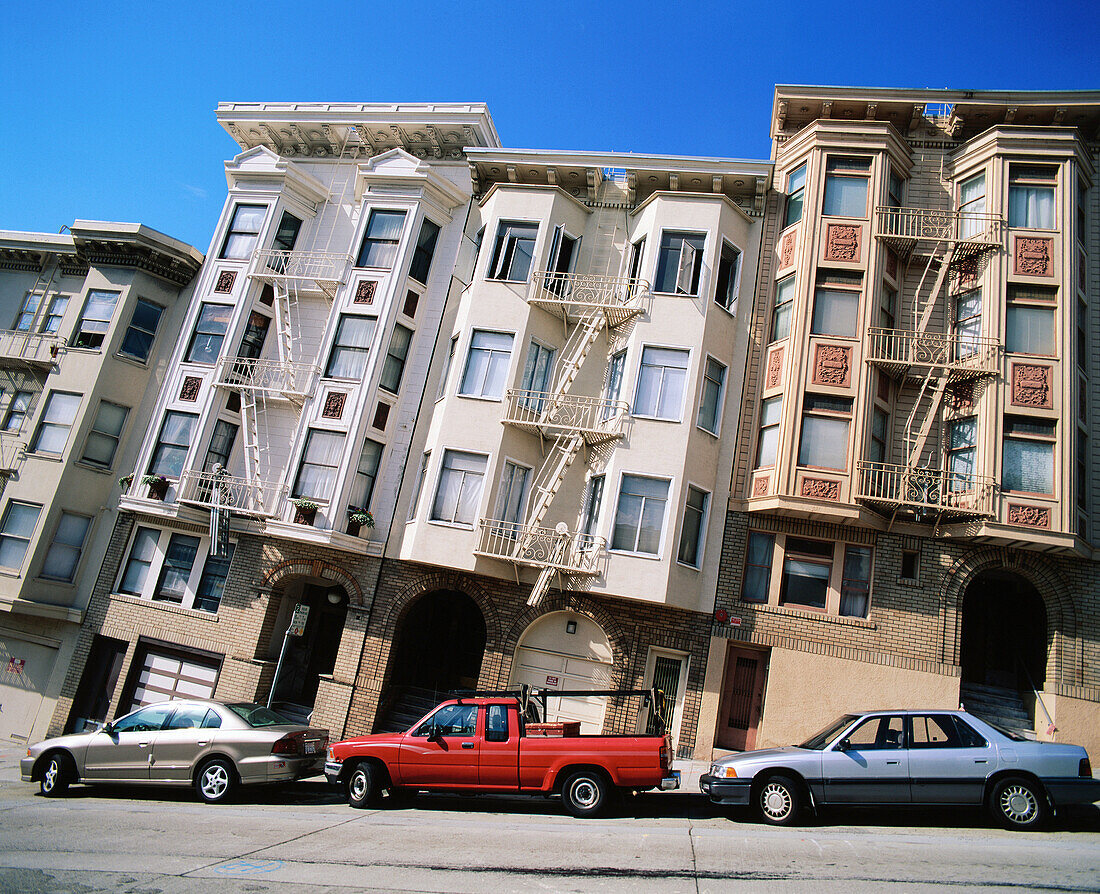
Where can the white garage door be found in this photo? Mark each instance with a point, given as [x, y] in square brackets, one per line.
[166, 676]
[24, 669]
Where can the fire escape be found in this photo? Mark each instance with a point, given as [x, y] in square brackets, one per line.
[925, 363]
[285, 381]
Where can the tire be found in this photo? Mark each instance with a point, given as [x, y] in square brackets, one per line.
[57, 774]
[363, 786]
[585, 793]
[1018, 803]
[216, 780]
[778, 801]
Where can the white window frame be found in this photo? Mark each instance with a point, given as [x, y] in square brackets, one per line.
[735, 280]
[92, 430]
[506, 463]
[399, 241]
[684, 272]
[657, 556]
[34, 447]
[34, 530]
[480, 513]
[704, 521]
[719, 408]
[78, 331]
[480, 394]
[441, 391]
[156, 566]
[421, 477]
[638, 382]
[500, 252]
[78, 549]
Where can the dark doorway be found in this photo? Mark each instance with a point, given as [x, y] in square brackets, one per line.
[742, 699]
[1004, 633]
[312, 655]
[438, 647]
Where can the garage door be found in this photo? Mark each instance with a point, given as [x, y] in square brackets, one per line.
[24, 669]
[164, 675]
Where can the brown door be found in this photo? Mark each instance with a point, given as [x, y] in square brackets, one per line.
[742, 699]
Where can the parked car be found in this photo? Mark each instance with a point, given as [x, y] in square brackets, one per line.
[213, 746]
[899, 758]
[485, 745]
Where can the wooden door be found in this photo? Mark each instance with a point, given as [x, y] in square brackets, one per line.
[742, 699]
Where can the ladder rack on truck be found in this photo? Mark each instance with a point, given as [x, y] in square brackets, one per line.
[525, 695]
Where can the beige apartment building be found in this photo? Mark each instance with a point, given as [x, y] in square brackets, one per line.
[913, 512]
[90, 317]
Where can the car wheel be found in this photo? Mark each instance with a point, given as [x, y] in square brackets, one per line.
[778, 801]
[363, 787]
[216, 780]
[585, 793]
[1018, 804]
[56, 776]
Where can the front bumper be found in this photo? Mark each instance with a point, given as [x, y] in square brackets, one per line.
[1074, 790]
[671, 782]
[725, 791]
[333, 770]
[26, 766]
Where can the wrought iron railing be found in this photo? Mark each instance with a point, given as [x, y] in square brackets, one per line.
[567, 551]
[309, 266]
[269, 376]
[937, 490]
[28, 347]
[960, 353]
[975, 227]
[590, 415]
[619, 296]
[262, 499]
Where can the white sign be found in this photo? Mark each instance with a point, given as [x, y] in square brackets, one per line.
[298, 621]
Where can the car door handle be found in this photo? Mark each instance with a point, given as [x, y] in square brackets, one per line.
[204, 743]
[892, 763]
[143, 744]
[980, 760]
[467, 744]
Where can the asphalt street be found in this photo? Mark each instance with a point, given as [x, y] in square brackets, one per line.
[304, 838]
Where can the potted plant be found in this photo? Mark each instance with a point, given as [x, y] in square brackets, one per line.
[304, 510]
[125, 481]
[358, 519]
[157, 484]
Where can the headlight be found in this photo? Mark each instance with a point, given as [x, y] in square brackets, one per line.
[722, 772]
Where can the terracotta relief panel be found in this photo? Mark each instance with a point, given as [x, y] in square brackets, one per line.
[1034, 256]
[334, 405]
[832, 365]
[842, 242]
[787, 247]
[760, 485]
[775, 368]
[1032, 386]
[1031, 516]
[820, 488]
[225, 281]
[190, 389]
[364, 292]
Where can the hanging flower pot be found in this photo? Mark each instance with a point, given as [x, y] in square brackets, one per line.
[304, 511]
[157, 484]
[358, 519]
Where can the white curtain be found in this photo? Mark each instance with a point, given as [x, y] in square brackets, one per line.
[835, 312]
[1031, 206]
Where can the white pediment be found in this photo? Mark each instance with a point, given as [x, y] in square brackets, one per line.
[261, 169]
[397, 171]
[396, 163]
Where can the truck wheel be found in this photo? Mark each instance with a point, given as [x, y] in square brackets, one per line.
[56, 776]
[216, 780]
[1018, 804]
[585, 793]
[778, 801]
[363, 788]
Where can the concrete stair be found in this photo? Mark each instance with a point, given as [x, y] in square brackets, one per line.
[998, 705]
[410, 705]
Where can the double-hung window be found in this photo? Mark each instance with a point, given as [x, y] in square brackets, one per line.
[680, 262]
[836, 310]
[796, 196]
[17, 411]
[807, 566]
[54, 314]
[590, 517]
[613, 388]
[381, 240]
[57, 419]
[1030, 320]
[143, 551]
[64, 553]
[487, 364]
[446, 373]
[729, 274]
[515, 481]
[215, 572]
[972, 219]
[758, 567]
[855, 586]
[350, 347]
[320, 465]
[16, 530]
[513, 251]
[24, 320]
[536, 376]
[175, 439]
[693, 530]
[243, 232]
[459, 492]
[962, 449]
[967, 323]
[888, 307]
[880, 425]
[846, 180]
[771, 413]
[1031, 196]
[418, 488]
[210, 328]
[50, 322]
[660, 391]
[221, 445]
[99, 309]
[781, 310]
[366, 474]
[825, 423]
[102, 443]
[710, 402]
[138, 340]
[640, 514]
[175, 571]
[285, 238]
[1028, 455]
[394, 365]
[425, 250]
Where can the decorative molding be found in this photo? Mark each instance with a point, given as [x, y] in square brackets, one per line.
[1034, 256]
[832, 365]
[787, 247]
[334, 405]
[760, 485]
[226, 279]
[1032, 386]
[820, 488]
[189, 391]
[775, 368]
[842, 242]
[364, 292]
[1030, 516]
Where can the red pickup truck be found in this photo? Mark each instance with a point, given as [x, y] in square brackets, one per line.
[483, 745]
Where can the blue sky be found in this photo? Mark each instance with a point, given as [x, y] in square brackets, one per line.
[107, 110]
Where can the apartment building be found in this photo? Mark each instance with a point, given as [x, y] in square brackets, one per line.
[913, 511]
[90, 317]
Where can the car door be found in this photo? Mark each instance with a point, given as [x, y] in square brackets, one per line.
[498, 759]
[868, 765]
[188, 734]
[948, 760]
[120, 752]
[442, 752]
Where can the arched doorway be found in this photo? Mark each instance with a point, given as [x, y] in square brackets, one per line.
[438, 647]
[566, 650]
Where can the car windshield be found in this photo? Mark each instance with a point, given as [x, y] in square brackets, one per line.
[823, 737]
[1007, 733]
[257, 715]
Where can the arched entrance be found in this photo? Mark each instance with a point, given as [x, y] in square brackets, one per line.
[438, 647]
[566, 650]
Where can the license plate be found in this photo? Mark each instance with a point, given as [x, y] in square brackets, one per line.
[309, 747]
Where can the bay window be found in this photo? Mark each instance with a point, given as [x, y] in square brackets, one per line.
[1028, 455]
[825, 422]
[1031, 196]
[846, 186]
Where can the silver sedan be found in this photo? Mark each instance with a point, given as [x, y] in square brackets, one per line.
[900, 758]
[213, 746]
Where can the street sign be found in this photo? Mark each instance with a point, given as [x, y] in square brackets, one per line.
[298, 621]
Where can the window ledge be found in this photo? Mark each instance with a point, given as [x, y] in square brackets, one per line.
[486, 398]
[133, 361]
[47, 457]
[91, 467]
[656, 418]
[168, 607]
[909, 581]
[454, 526]
[809, 614]
[629, 554]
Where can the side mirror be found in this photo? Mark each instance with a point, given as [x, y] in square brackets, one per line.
[842, 745]
[107, 728]
[435, 734]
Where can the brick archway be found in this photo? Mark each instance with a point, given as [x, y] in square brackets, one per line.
[317, 569]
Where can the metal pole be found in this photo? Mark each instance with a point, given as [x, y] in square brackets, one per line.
[278, 667]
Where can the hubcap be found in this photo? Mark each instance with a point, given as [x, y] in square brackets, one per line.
[585, 793]
[50, 776]
[358, 785]
[776, 800]
[215, 780]
[1019, 804]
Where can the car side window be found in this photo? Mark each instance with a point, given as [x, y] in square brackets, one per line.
[496, 723]
[968, 736]
[146, 720]
[876, 733]
[933, 731]
[450, 720]
[212, 720]
[187, 717]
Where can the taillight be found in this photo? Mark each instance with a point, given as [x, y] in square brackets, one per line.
[664, 753]
[291, 743]
[1085, 768]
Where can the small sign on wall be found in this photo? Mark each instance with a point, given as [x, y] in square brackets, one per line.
[15, 665]
[550, 681]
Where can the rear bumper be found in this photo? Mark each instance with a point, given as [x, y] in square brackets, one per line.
[1074, 790]
[725, 791]
[671, 782]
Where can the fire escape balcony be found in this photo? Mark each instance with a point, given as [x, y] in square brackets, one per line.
[242, 496]
[960, 357]
[551, 414]
[932, 495]
[12, 450]
[971, 232]
[306, 271]
[32, 349]
[568, 295]
[273, 378]
[559, 549]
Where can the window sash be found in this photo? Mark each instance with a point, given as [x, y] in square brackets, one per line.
[514, 251]
[64, 553]
[824, 442]
[1028, 466]
[781, 312]
[805, 582]
[680, 262]
[458, 494]
[366, 473]
[710, 403]
[105, 434]
[179, 560]
[142, 552]
[512, 498]
[320, 464]
[139, 337]
[758, 567]
[16, 530]
[17, 411]
[173, 444]
[1031, 207]
[691, 532]
[394, 366]
[57, 420]
[421, 265]
[639, 517]
[729, 269]
[845, 195]
[487, 363]
[210, 329]
[381, 240]
[421, 474]
[1030, 330]
[95, 320]
[836, 312]
[661, 379]
[243, 232]
[796, 194]
[855, 587]
[351, 347]
[211, 588]
[593, 501]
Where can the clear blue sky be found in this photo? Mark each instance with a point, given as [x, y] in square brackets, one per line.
[107, 109]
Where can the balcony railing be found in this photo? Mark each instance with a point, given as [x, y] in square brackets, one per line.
[973, 230]
[618, 297]
[274, 377]
[961, 356]
[564, 550]
[28, 347]
[593, 417]
[935, 493]
[323, 270]
[261, 499]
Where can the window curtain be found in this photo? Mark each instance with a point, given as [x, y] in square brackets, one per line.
[141, 557]
[319, 465]
[1031, 206]
[1028, 466]
[1029, 330]
[824, 443]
